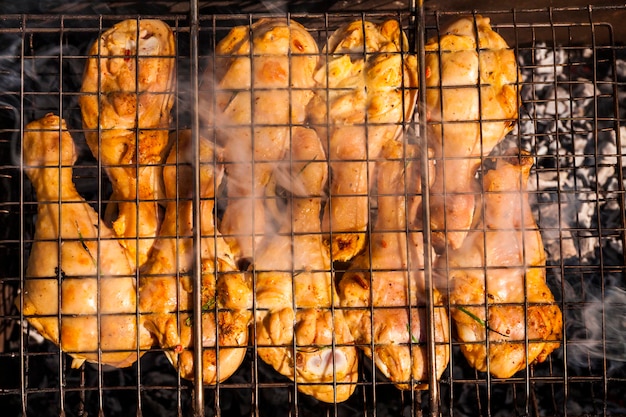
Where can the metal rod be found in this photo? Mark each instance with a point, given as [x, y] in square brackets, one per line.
[198, 389]
[433, 391]
[22, 341]
[596, 189]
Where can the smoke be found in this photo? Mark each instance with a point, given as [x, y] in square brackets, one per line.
[595, 324]
[32, 84]
[10, 103]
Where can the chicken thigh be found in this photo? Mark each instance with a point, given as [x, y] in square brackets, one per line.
[467, 120]
[126, 98]
[79, 289]
[166, 290]
[384, 286]
[295, 295]
[368, 88]
[497, 278]
[263, 76]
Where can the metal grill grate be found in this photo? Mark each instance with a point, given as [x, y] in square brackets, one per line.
[571, 121]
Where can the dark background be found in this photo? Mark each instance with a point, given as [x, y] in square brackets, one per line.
[616, 17]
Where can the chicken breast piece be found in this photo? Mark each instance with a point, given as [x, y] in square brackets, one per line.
[79, 289]
[384, 286]
[166, 289]
[126, 99]
[497, 279]
[261, 84]
[367, 90]
[472, 102]
[295, 295]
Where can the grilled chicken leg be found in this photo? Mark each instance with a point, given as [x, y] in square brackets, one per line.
[262, 85]
[503, 255]
[368, 87]
[388, 277]
[167, 298]
[74, 253]
[127, 95]
[466, 121]
[295, 294]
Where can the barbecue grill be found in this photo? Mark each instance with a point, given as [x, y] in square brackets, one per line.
[572, 120]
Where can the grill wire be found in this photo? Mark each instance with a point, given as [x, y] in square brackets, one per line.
[573, 74]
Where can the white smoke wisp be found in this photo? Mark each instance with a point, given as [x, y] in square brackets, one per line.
[253, 96]
[597, 330]
[10, 103]
[38, 74]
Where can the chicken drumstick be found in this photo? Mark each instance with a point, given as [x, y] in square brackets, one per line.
[75, 254]
[471, 104]
[295, 294]
[126, 98]
[167, 299]
[385, 284]
[263, 76]
[502, 263]
[368, 88]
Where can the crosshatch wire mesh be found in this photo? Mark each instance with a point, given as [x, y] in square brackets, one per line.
[572, 76]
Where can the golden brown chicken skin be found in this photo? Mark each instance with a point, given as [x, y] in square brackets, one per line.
[367, 90]
[77, 270]
[384, 286]
[260, 84]
[295, 295]
[126, 99]
[502, 261]
[166, 289]
[472, 102]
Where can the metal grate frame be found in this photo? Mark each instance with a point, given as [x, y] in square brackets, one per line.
[572, 121]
